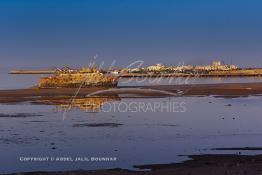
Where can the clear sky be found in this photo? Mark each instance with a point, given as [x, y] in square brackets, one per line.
[45, 33]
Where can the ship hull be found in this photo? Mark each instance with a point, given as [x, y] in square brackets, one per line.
[78, 80]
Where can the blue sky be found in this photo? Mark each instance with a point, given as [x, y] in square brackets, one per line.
[46, 33]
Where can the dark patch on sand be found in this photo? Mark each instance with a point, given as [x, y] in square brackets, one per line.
[18, 140]
[112, 125]
[198, 165]
[240, 149]
[19, 115]
[37, 121]
[170, 125]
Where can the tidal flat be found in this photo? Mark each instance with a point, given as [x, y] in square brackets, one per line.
[134, 138]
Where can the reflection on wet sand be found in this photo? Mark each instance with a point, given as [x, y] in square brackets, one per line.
[86, 104]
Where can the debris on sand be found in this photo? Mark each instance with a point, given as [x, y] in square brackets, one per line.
[112, 125]
[239, 148]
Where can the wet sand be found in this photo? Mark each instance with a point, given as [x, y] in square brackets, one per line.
[198, 165]
[219, 90]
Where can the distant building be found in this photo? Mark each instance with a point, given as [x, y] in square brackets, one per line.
[157, 67]
[216, 66]
[183, 68]
[218, 63]
[115, 72]
[233, 67]
[135, 70]
[203, 68]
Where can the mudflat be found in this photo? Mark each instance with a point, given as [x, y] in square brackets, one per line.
[222, 90]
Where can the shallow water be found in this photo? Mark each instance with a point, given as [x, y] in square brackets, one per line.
[17, 81]
[195, 127]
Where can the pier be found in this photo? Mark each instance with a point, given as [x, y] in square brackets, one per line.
[32, 72]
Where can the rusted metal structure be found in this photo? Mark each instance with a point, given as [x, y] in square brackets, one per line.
[85, 77]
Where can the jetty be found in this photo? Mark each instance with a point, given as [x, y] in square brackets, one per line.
[32, 72]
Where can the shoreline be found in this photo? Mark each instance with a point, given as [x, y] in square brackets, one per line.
[241, 72]
[212, 75]
[215, 164]
[227, 90]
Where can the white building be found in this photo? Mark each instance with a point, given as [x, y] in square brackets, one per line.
[183, 68]
[157, 67]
